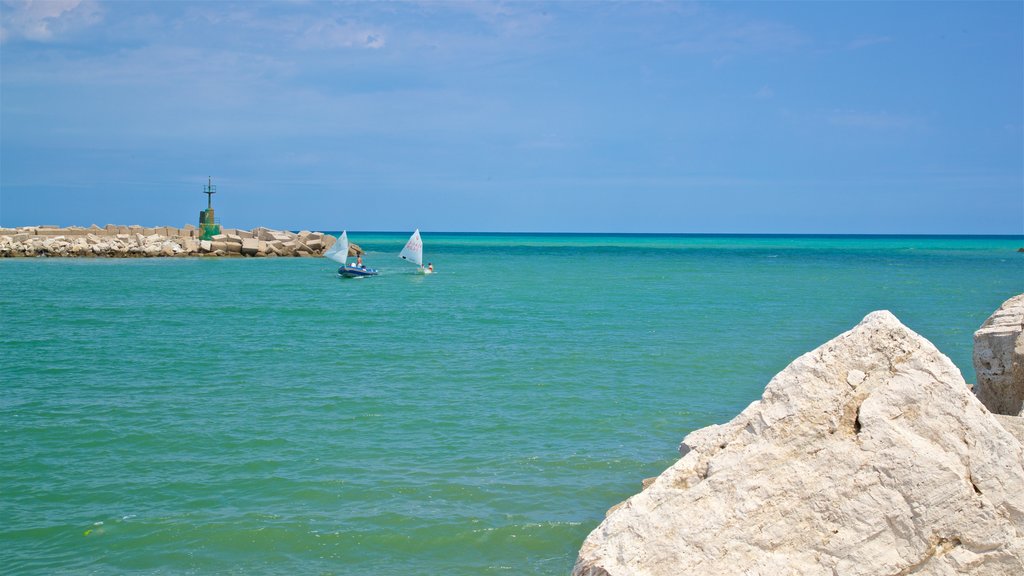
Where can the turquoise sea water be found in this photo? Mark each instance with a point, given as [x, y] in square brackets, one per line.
[262, 416]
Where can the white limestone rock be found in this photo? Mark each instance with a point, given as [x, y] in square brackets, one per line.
[866, 456]
[999, 359]
[1013, 424]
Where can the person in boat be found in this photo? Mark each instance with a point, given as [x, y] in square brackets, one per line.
[430, 267]
[359, 261]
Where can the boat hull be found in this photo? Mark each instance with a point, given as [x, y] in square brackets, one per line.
[356, 272]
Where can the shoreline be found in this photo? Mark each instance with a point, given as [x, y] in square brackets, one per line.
[115, 241]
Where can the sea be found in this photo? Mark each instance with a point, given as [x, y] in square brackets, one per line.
[264, 416]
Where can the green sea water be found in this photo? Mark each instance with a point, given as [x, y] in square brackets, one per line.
[263, 416]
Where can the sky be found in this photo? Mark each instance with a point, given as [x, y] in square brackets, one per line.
[649, 117]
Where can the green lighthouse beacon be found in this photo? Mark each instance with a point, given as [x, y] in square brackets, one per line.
[208, 228]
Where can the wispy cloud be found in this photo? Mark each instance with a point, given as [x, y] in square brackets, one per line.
[548, 141]
[509, 19]
[46, 21]
[726, 36]
[765, 93]
[870, 120]
[867, 41]
[330, 33]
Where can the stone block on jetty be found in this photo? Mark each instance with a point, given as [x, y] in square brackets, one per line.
[999, 359]
[868, 455]
[238, 233]
[250, 246]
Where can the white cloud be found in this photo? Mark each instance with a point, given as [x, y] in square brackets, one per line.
[45, 21]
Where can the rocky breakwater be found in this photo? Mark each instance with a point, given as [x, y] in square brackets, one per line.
[869, 455]
[136, 241]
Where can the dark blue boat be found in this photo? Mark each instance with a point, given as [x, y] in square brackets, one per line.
[356, 271]
[339, 253]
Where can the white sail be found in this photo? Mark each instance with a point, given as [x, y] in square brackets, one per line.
[339, 251]
[413, 251]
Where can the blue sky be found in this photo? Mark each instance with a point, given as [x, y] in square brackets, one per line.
[719, 117]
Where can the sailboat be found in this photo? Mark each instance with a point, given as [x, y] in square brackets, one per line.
[413, 252]
[339, 253]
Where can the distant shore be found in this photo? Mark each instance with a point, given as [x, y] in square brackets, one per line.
[114, 241]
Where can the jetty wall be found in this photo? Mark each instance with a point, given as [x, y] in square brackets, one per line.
[113, 241]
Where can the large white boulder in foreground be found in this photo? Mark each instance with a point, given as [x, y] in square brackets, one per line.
[866, 456]
[999, 359]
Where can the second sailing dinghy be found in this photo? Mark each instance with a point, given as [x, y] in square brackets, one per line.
[339, 253]
[413, 252]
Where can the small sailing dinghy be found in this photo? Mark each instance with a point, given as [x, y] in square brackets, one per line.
[339, 253]
[413, 252]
